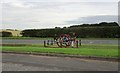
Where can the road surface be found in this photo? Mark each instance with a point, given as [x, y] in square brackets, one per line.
[37, 41]
[22, 62]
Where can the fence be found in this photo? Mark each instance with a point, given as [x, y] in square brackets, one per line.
[52, 43]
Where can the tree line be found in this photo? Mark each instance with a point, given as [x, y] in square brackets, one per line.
[5, 34]
[101, 30]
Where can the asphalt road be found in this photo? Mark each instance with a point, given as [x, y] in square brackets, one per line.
[21, 62]
[37, 41]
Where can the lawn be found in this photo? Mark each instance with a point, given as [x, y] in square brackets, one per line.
[26, 38]
[85, 50]
[52, 38]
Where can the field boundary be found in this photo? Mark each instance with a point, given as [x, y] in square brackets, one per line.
[40, 38]
[114, 59]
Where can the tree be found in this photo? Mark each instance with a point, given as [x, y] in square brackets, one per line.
[6, 34]
[101, 30]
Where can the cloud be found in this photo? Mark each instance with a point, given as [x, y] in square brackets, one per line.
[22, 5]
[94, 19]
[6, 1]
[119, 12]
[17, 3]
[22, 14]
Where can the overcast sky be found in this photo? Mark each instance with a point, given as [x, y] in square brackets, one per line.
[39, 14]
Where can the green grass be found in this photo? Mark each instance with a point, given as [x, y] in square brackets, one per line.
[26, 38]
[52, 38]
[85, 50]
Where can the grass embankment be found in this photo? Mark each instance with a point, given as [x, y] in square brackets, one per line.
[85, 50]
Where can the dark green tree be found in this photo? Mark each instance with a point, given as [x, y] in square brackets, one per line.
[6, 34]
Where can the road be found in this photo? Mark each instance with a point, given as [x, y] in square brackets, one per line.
[22, 62]
[37, 41]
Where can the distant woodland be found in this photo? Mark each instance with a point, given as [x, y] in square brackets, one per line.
[100, 30]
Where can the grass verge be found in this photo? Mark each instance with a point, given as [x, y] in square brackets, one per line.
[85, 50]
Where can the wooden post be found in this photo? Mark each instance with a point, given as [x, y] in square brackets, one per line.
[80, 42]
[77, 46]
[48, 42]
[44, 43]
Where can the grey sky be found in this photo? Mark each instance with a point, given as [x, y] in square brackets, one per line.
[94, 19]
[24, 14]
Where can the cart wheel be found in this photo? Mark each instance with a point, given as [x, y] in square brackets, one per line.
[64, 40]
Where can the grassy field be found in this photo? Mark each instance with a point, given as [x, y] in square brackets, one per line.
[52, 38]
[85, 50]
[26, 38]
